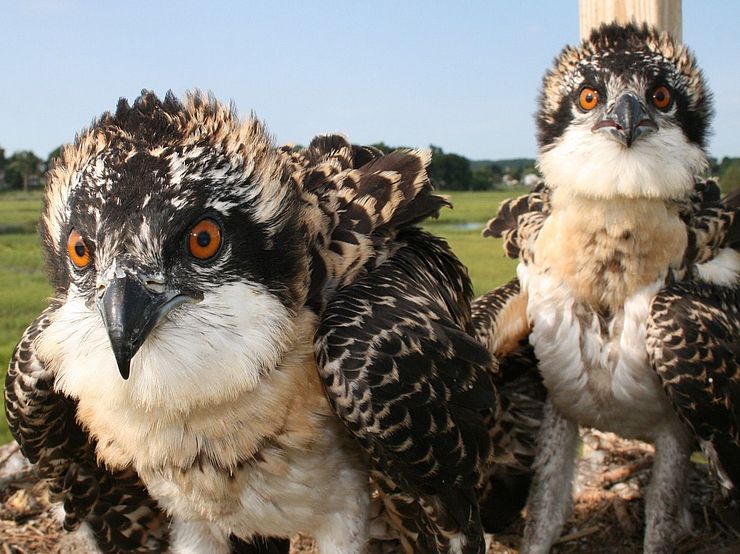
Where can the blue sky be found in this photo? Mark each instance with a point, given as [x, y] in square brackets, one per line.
[461, 75]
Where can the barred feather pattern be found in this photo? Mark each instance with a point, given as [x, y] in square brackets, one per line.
[693, 340]
[355, 200]
[414, 388]
[517, 380]
[362, 262]
[519, 221]
[115, 505]
[710, 224]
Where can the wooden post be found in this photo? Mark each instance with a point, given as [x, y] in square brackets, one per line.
[663, 14]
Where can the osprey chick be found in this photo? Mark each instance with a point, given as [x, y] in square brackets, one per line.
[244, 334]
[629, 274]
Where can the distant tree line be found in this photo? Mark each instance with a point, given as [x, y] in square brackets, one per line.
[455, 172]
[24, 170]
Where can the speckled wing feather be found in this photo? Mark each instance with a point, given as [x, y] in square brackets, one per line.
[711, 223]
[413, 387]
[355, 200]
[497, 319]
[116, 506]
[694, 343]
[519, 220]
[694, 334]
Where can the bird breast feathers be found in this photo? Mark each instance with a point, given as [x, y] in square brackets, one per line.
[597, 376]
[607, 250]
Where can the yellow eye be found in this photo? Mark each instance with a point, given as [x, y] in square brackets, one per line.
[204, 239]
[588, 99]
[78, 251]
[662, 97]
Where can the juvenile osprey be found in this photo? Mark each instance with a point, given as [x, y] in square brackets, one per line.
[629, 272]
[241, 335]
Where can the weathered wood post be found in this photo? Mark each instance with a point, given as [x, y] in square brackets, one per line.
[663, 14]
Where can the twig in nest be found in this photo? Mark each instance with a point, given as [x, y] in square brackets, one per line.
[37, 531]
[727, 518]
[626, 524]
[12, 450]
[620, 474]
[579, 534]
[19, 477]
[732, 549]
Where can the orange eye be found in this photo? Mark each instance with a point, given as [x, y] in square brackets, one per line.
[662, 97]
[204, 239]
[78, 251]
[588, 99]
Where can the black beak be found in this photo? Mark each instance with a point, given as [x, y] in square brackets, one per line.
[627, 121]
[130, 311]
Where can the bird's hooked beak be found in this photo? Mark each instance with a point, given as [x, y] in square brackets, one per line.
[627, 121]
[131, 308]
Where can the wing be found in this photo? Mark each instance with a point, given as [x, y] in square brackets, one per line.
[733, 198]
[499, 320]
[693, 343]
[519, 220]
[116, 506]
[355, 201]
[712, 224]
[413, 387]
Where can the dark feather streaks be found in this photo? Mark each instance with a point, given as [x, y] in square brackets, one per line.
[487, 308]
[410, 383]
[711, 224]
[518, 218]
[693, 343]
[624, 51]
[363, 197]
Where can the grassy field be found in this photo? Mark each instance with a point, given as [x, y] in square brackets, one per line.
[24, 289]
[462, 226]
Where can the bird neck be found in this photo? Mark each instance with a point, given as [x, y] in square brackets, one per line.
[606, 250]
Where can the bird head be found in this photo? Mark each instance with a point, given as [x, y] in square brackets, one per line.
[625, 114]
[171, 230]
